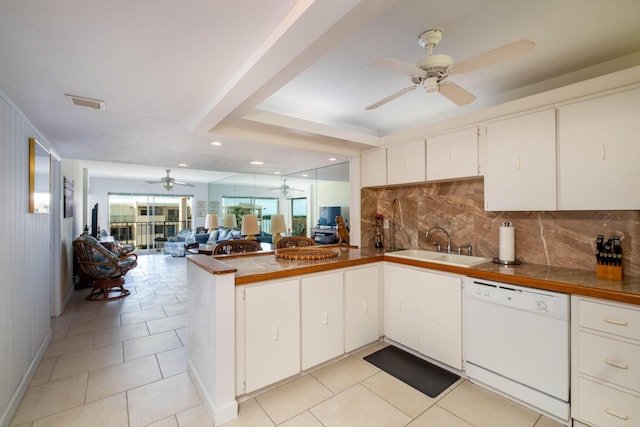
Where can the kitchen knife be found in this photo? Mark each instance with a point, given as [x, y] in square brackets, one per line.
[607, 252]
[599, 248]
[617, 251]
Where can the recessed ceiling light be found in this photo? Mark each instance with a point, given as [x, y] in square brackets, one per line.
[257, 162]
[332, 159]
[216, 143]
[304, 175]
[183, 165]
[276, 173]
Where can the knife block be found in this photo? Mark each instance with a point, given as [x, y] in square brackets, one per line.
[609, 272]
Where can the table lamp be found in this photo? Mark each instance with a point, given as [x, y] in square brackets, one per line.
[230, 221]
[211, 222]
[277, 227]
[250, 226]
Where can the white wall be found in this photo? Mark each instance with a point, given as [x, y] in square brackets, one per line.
[25, 261]
[70, 228]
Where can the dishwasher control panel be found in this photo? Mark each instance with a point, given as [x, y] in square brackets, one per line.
[539, 301]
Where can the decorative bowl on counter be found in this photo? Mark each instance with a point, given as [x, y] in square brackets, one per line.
[306, 253]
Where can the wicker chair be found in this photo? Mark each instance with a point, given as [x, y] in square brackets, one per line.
[122, 250]
[236, 247]
[295, 241]
[103, 267]
[191, 248]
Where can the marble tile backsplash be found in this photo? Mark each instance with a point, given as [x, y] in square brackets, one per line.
[561, 238]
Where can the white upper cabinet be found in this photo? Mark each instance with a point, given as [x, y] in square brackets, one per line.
[374, 168]
[521, 163]
[599, 153]
[453, 155]
[406, 163]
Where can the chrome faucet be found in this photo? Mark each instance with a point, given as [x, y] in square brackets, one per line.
[445, 232]
[468, 247]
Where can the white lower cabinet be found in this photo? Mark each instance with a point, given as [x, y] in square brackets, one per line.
[322, 318]
[402, 304]
[271, 333]
[361, 306]
[441, 318]
[285, 326]
[605, 342]
[423, 311]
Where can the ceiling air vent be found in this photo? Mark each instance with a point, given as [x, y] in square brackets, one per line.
[85, 102]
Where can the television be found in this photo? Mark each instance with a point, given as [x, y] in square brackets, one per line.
[328, 215]
[94, 221]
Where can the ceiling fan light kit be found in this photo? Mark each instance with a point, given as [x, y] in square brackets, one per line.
[432, 70]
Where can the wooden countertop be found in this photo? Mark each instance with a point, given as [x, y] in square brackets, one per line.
[261, 266]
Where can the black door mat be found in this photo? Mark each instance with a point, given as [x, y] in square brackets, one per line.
[418, 373]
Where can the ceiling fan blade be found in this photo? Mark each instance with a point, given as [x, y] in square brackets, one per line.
[456, 94]
[183, 183]
[396, 66]
[154, 182]
[391, 97]
[495, 56]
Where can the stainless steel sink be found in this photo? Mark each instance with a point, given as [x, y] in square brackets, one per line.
[440, 257]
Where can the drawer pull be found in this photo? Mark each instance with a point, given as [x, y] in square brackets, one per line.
[622, 417]
[616, 322]
[364, 307]
[616, 365]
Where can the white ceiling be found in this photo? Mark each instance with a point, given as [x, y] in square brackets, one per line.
[281, 81]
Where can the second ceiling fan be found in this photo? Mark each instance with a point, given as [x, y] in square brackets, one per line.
[433, 70]
[169, 181]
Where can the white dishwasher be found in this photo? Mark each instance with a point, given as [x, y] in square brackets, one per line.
[517, 342]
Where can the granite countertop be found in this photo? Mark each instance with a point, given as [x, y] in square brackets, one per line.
[261, 266]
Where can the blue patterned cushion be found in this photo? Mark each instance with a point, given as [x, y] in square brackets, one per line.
[97, 256]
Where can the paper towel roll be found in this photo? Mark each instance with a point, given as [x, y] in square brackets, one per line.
[507, 243]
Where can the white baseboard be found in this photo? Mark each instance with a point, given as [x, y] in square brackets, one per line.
[217, 412]
[12, 407]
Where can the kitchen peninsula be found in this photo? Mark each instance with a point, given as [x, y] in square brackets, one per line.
[224, 366]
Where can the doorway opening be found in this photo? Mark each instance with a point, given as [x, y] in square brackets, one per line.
[148, 221]
[299, 216]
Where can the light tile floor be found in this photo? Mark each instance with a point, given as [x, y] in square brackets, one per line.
[123, 363]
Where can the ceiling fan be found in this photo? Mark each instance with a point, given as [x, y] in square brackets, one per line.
[169, 181]
[285, 188]
[433, 70]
